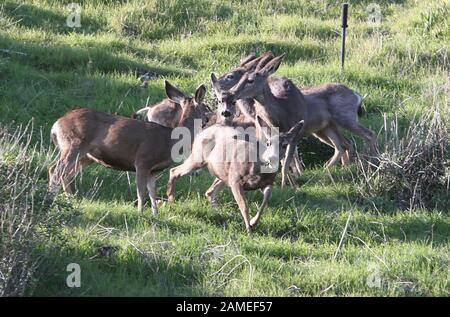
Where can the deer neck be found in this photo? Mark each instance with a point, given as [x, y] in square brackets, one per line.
[266, 106]
[191, 120]
[247, 108]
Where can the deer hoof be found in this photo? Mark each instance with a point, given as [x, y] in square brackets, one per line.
[253, 222]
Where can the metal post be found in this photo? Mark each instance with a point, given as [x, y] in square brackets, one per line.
[343, 26]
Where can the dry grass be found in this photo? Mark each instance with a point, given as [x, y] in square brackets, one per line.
[413, 170]
[28, 212]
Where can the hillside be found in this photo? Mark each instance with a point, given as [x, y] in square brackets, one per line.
[401, 67]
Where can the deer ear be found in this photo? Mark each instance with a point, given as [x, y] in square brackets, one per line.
[238, 87]
[265, 127]
[200, 94]
[174, 94]
[294, 131]
[272, 66]
[247, 59]
[215, 84]
[263, 60]
[253, 64]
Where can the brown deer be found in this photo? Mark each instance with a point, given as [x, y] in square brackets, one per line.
[84, 136]
[280, 102]
[167, 113]
[234, 161]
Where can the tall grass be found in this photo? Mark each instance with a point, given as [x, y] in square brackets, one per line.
[30, 216]
[46, 68]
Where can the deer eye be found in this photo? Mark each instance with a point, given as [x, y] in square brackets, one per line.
[250, 80]
[230, 76]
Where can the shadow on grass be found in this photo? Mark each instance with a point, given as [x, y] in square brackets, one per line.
[64, 58]
[121, 273]
[294, 52]
[33, 17]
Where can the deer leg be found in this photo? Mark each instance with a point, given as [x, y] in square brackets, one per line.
[334, 137]
[298, 162]
[290, 180]
[66, 167]
[238, 194]
[80, 163]
[366, 134]
[286, 163]
[293, 167]
[188, 166]
[151, 187]
[211, 193]
[51, 176]
[322, 137]
[141, 186]
[56, 173]
[267, 194]
[296, 166]
[348, 150]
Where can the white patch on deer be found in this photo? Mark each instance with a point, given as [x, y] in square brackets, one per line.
[56, 130]
[359, 98]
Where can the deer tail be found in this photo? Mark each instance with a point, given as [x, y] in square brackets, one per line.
[53, 134]
[135, 114]
[360, 108]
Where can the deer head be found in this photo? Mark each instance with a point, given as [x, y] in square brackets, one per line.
[192, 107]
[250, 85]
[247, 64]
[253, 85]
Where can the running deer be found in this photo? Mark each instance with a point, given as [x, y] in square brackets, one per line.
[280, 102]
[84, 136]
[235, 162]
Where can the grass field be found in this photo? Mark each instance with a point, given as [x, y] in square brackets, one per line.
[189, 249]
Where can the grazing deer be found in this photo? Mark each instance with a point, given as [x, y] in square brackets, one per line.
[235, 162]
[85, 136]
[280, 102]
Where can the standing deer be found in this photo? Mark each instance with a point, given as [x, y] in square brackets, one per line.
[244, 106]
[280, 102]
[167, 113]
[235, 162]
[84, 136]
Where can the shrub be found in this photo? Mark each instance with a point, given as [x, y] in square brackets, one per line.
[413, 170]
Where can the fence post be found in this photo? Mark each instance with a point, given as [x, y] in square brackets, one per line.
[343, 26]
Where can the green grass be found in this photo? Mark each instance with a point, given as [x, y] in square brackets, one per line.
[190, 249]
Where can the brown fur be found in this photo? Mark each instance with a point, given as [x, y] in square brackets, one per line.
[325, 108]
[85, 136]
[238, 173]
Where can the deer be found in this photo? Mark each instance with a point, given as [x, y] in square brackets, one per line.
[85, 136]
[325, 108]
[167, 113]
[241, 169]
